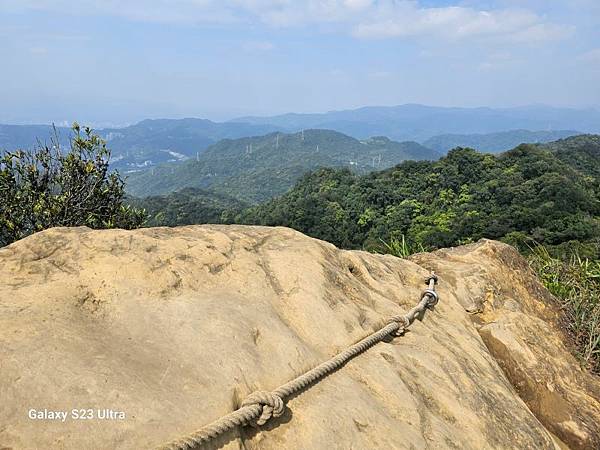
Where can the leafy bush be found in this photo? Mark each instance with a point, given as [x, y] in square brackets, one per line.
[45, 188]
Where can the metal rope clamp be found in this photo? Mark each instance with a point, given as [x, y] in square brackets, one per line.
[431, 281]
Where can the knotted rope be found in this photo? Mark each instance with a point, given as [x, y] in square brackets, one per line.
[270, 403]
[260, 406]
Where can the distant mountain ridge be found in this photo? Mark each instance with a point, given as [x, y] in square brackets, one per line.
[143, 145]
[254, 169]
[184, 136]
[156, 141]
[495, 142]
[13, 137]
[419, 122]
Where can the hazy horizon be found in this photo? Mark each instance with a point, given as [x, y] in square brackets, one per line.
[68, 123]
[111, 63]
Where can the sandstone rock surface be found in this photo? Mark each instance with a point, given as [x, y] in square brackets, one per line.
[518, 322]
[174, 327]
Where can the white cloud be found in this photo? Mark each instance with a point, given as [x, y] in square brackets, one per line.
[362, 18]
[541, 32]
[591, 56]
[358, 4]
[457, 23]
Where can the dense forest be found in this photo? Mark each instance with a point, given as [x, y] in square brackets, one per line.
[544, 193]
[189, 206]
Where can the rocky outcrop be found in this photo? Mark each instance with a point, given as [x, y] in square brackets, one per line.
[519, 322]
[161, 331]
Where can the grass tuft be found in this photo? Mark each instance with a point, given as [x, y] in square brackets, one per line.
[400, 247]
[575, 281]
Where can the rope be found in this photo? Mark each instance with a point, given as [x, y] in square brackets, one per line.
[260, 406]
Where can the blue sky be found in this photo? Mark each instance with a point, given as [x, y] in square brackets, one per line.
[116, 62]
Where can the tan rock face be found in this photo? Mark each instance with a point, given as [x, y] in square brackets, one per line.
[174, 327]
[516, 318]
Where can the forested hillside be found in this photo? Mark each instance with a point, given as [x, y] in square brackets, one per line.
[581, 152]
[255, 169]
[546, 193]
[189, 206]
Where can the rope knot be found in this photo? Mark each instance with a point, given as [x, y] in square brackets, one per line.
[271, 403]
[403, 324]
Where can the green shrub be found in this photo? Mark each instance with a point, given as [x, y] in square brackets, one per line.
[46, 188]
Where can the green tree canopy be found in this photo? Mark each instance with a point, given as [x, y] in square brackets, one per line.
[527, 193]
